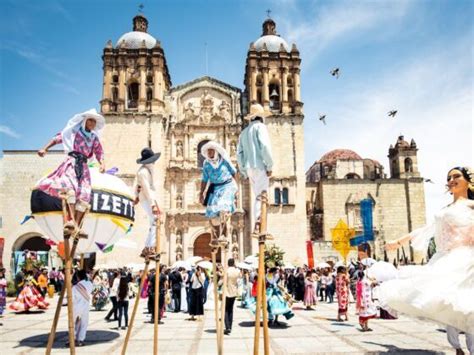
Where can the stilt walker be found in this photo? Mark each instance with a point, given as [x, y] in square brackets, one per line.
[145, 195]
[255, 163]
[218, 194]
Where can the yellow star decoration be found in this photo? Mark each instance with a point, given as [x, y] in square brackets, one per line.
[341, 236]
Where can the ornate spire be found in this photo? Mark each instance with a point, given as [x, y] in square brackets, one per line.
[269, 27]
[140, 23]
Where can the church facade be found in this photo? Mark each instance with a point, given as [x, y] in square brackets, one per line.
[143, 109]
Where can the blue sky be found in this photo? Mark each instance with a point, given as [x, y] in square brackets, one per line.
[414, 56]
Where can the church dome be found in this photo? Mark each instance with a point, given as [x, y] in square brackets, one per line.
[331, 157]
[270, 38]
[134, 39]
[272, 42]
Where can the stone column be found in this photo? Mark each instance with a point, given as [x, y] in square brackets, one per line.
[253, 85]
[266, 94]
[186, 146]
[284, 90]
[296, 80]
[172, 147]
[142, 91]
[106, 90]
[173, 195]
[241, 243]
[172, 246]
[122, 89]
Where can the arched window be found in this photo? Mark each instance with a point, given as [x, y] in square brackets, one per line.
[352, 176]
[114, 94]
[132, 99]
[408, 165]
[149, 79]
[285, 196]
[259, 96]
[115, 79]
[277, 196]
[290, 95]
[200, 158]
[274, 92]
[289, 81]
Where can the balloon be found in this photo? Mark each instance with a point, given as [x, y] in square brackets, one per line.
[111, 215]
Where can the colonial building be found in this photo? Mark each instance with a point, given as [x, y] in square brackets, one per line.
[143, 109]
[338, 182]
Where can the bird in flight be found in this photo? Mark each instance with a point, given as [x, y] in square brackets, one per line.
[392, 113]
[322, 118]
[335, 72]
[429, 180]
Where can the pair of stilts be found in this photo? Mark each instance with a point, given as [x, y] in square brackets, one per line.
[72, 230]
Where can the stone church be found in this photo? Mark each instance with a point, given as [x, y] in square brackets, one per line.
[142, 108]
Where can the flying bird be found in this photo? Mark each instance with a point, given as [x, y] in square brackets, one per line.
[335, 72]
[429, 180]
[392, 113]
[322, 118]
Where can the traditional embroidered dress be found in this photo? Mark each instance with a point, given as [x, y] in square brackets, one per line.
[3, 294]
[310, 292]
[368, 309]
[359, 287]
[443, 289]
[29, 297]
[73, 173]
[342, 292]
[81, 297]
[224, 188]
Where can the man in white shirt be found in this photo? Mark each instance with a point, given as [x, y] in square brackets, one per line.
[254, 156]
[145, 194]
[81, 296]
[233, 275]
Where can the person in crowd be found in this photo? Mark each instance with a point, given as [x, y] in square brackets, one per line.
[368, 309]
[29, 297]
[176, 281]
[81, 297]
[310, 291]
[330, 287]
[43, 282]
[3, 291]
[342, 290]
[123, 296]
[196, 305]
[53, 278]
[300, 286]
[233, 275]
[114, 284]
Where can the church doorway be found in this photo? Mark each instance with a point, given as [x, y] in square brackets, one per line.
[201, 247]
[33, 243]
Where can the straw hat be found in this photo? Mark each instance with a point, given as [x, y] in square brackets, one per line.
[256, 110]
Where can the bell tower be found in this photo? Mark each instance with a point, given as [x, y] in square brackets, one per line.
[136, 76]
[272, 79]
[403, 159]
[272, 72]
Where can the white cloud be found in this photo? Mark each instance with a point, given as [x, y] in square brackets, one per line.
[336, 22]
[9, 132]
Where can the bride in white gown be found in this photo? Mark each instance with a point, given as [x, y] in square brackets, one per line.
[443, 289]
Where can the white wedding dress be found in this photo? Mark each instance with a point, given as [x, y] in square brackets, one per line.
[443, 289]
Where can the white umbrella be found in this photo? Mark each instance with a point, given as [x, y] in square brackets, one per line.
[205, 264]
[368, 261]
[323, 265]
[193, 260]
[382, 271]
[251, 259]
[339, 263]
[244, 266]
[289, 265]
[181, 263]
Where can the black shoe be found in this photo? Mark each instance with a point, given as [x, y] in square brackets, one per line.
[227, 331]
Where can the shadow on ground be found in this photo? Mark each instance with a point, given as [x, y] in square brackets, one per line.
[391, 349]
[93, 337]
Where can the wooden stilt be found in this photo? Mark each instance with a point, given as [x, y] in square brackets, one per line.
[157, 287]
[68, 282]
[214, 244]
[261, 305]
[52, 333]
[224, 249]
[81, 263]
[135, 307]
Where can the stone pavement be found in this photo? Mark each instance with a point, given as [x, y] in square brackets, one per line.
[309, 332]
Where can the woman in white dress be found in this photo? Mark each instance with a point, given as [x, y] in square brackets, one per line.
[443, 289]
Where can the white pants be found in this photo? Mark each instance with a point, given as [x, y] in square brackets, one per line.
[80, 325]
[151, 239]
[259, 182]
[453, 338]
